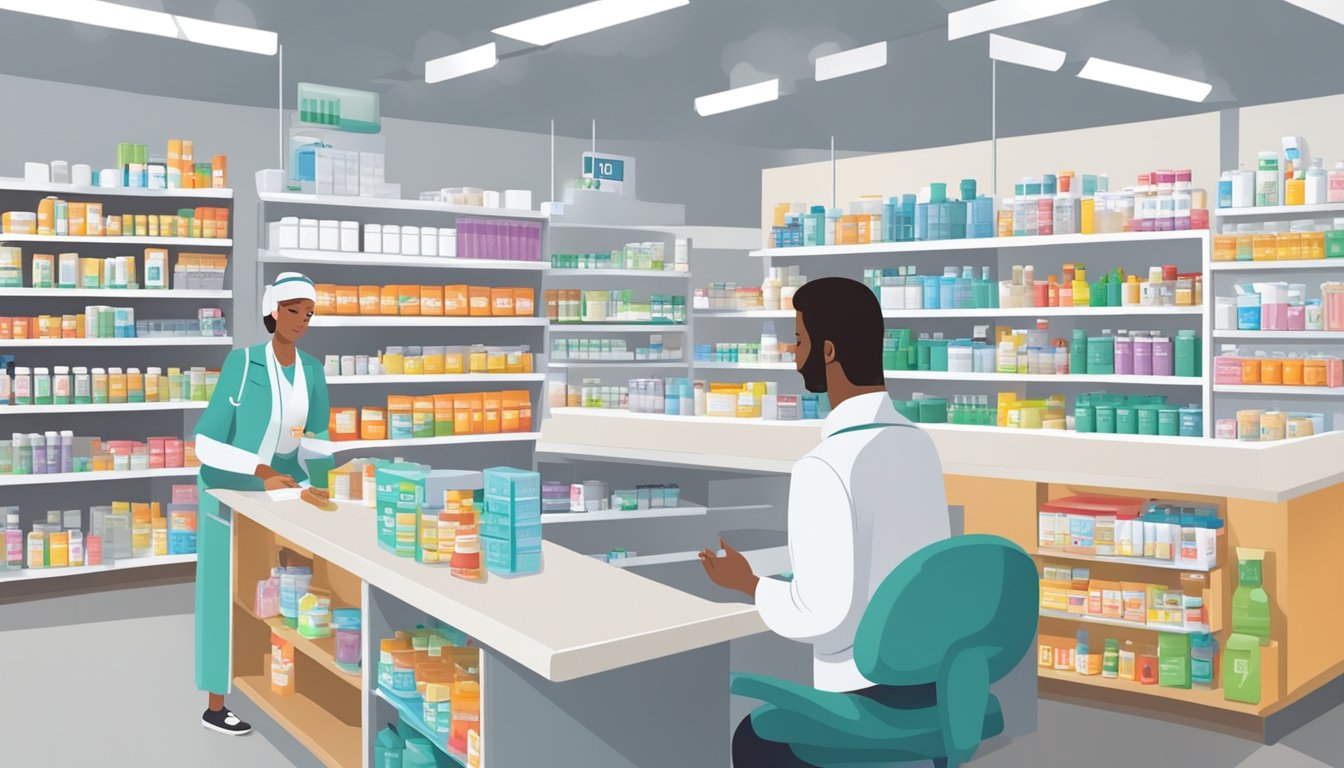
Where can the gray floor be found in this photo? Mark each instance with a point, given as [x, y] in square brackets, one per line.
[105, 679]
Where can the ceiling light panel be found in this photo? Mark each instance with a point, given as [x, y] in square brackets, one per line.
[852, 61]
[1140, 79]
[458, 64]
[1025, 54]
[582, 19]
[1330, 9]
[113, 16]
[997, 14]
[737, 98]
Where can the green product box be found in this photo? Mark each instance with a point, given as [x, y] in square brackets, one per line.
[1334, 244]
[1241, 669]
[1173, 660]
[1106, 419]
[1169, 421]
[1126, 420]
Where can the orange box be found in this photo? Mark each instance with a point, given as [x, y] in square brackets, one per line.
[501, 302]
[510, 412]
[400, 404]
[1313, 373]
[344, 424]
[478, 298]
[22, 327]
[347, 300]
[1271, 371]
[523, 400]
[491, 404]
[326, 299]
[477, 400]
[524, 302]
[408, 300]
[76, 219]
[443, 415]
[113, 227]
[372, 423]
[6, 328]
[1250, 371]
[388, 299]
[455, 301]
[370, 300]
[1292, 372]
[462, 414]
[431, 300]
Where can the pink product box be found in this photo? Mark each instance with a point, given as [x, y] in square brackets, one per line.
[156, 452]
[1297, 318]
[1227, 370]
[121, 447]
[174, 450]
[1334, 372]
[185, 494]
[1274, 317]
[1225, 429]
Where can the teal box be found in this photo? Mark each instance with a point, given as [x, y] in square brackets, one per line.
[502, 556]
[1100, 355]
[1084, 418]
[1169, 422]
[1126, 420]
[1192, 422]
[510, 483]
[518, 510]
[1106, 419]
[938, 355]
[1148, 417]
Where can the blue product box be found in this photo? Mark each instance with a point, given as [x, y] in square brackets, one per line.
[512, 483]
[527, 537]
[181, 542]
[502, 557]
[518, 510]
[496, 526]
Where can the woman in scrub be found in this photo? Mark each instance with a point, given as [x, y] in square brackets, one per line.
[268, 397]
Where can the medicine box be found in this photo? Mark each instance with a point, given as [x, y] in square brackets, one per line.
[512, 484]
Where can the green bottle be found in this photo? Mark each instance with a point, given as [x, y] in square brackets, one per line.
[1250, 603]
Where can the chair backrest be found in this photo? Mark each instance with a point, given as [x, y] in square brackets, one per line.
[966, 591]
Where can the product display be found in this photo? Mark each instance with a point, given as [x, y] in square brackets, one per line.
[103, 322]
[136, 169]
[425, 300]
[565, 306]
[1237, 366]
[1251, 425]
[56, 217]
[193, 271]
[432, 361]
[407, 417]
[775, 294]
[613, 350]
[1283, 178]
[432, 676]
[1183, 533]
[640, 257]
[60, 452]
[80, 385]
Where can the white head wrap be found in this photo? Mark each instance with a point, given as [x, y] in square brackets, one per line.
[288, 286]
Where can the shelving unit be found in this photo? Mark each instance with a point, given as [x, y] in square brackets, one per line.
[667, 273]
[1141, 562]
[1008, 378]
[33, 494]
[395, 204]
[363, 259]
[1281, 335]
[938, 314]
[321, 650]
[978, 244]
[345, 446]
[618, 328]
[1086, 619]
[1282, 391]
[630, 364]
[1278, 210]
[401, 321]
[1274, 266]
[406, 707]
[560, 518]
[447, 378]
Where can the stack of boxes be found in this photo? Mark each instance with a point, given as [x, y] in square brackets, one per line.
[511, 524]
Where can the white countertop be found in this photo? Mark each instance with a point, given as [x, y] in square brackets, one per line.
[578, 617]
[1274, 472]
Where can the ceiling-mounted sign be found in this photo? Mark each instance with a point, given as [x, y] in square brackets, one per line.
[616, 173]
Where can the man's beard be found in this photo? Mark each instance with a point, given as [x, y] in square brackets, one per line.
[814, 371]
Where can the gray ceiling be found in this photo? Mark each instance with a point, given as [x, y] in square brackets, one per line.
[639, 80]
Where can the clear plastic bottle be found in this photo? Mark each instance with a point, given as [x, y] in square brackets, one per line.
[1317, 182]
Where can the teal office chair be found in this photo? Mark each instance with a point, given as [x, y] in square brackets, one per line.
[952, 618]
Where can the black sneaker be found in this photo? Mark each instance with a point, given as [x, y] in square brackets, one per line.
[225, 722]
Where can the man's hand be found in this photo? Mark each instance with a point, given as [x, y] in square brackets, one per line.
[731, 571]
[277, 480]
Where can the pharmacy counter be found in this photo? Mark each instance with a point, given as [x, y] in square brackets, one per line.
[563, 649]
[1284, 497]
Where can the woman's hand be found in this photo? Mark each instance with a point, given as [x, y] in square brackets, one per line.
[274, 481]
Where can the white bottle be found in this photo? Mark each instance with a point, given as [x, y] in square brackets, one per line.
[770, 289]
[1317, 183]
[769, 343]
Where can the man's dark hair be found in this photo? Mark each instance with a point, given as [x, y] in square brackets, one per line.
[846, 313]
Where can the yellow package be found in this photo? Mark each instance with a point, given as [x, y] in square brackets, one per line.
[454, 360]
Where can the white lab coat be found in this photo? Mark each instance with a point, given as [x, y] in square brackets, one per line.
[859, 504]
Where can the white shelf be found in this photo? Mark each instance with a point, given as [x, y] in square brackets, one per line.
[1239, 266]
[345, 201]
[617, 328]
[1278, 210]
[363, 259]
[369, 321]
[447, 378]
[554, 272]
[157, 341]
[1280, 335]
[96, 477]
[421, 442]
[983, 243]
[552, 518]
[194, 242]
[1117, 622]
[1277, 390]
[920, 314]
[747, 366]
[26, 574]
[1143, 562]
[642, 560]
[620, 364]
[702, 238]
[19, 185]
[1007, 378]
[111, 293]
[186, 405]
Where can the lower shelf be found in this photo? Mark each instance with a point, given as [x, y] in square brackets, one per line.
[1199, 696]
[322, 650]
[412, 712]
[335, 743]
[21, 574]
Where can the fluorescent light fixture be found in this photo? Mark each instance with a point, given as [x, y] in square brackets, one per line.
[1141, 79]
[458, 64]
[737, 98]
[1005, 13]
[1330, 9]
[852, 61]
[113, 16]
[582, 19]
[1026, 54]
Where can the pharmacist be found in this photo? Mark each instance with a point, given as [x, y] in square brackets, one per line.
[252, 437]
[859, 503]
